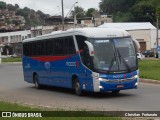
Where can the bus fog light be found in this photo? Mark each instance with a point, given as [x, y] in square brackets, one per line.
[101, 87]
[136, 84]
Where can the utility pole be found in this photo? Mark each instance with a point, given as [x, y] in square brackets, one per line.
[62, 16]
[1, 50]
[75, 19]
[157, 34]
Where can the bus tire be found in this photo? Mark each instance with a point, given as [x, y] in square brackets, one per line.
[116, 92]
[36, 82]
[77, 87]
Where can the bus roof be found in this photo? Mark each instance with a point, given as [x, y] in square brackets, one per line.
[93, 32]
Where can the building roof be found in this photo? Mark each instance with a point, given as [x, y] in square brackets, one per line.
[129, 26]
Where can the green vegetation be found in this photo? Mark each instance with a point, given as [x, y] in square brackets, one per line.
[10, 59]
[5, 106]
[149, 69]
[2, 5]
[33, 18]
[121, 11]
[131, 10]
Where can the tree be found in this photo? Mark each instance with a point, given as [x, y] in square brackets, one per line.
[11, 7]
[2, 5]
[106, 6]
[131, 10]
[42, 15]
[23, 13]
[113, 6]
[16, 6]
[143, 12]
[26, 8]
[79, 12]
[91, 12]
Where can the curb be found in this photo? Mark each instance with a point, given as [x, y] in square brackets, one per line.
[11, 63]
[149, 81]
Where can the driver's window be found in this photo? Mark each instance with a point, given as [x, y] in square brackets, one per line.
[84, 51]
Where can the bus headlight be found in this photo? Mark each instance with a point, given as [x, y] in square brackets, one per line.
[102, 79]
[136, 76]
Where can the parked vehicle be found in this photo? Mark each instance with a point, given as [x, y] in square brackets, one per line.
[148, 53]
[140, 56]
[14, 55]
[157, 52]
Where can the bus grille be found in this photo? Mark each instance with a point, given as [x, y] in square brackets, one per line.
[120, 80]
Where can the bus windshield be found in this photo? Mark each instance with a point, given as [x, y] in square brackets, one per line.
[114, 55]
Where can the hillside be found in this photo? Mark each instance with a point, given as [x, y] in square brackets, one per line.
[20, 18]
[121, 11]
[131, 10]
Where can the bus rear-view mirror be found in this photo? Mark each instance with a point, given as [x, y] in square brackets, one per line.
[137, 45]
[90, 47]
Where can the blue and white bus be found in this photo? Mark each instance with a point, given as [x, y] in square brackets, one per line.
[83, 59]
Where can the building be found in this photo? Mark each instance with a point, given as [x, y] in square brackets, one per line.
[80, 22]
[41, 30]
[12, 41]
[143, 32]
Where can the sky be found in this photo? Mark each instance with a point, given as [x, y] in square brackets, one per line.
[53, 7]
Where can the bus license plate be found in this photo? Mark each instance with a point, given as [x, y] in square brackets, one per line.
[120, 86]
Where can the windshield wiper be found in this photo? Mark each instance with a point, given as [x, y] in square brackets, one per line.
[120, 56]
[113, 59]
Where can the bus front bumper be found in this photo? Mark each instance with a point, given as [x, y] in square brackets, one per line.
[104, 86]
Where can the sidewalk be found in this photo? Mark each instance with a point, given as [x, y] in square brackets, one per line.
[149, 81]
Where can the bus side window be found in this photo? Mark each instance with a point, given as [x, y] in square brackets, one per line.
[69, 47]
[64, 46]
[50, 47]
[59, 46]
[25, 49]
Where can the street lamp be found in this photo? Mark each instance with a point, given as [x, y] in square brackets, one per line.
[71, 8]
[67, 14]
[75, 18]
[59, 10]
[62, 16]
[75, 14]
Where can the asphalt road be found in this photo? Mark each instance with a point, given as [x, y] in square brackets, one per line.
[14, 89]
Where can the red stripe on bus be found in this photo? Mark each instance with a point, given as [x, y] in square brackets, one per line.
[50, 58]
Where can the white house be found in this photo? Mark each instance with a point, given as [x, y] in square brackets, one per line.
[144, 32]
[13, 40]
[14, 37]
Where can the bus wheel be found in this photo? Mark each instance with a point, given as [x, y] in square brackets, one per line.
[36, 83]
[116, 92]
[77, 87]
